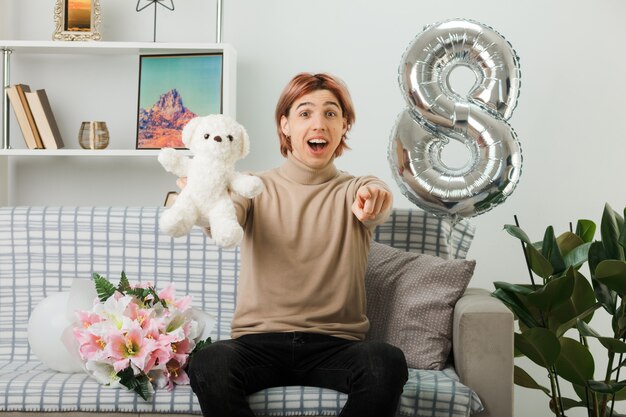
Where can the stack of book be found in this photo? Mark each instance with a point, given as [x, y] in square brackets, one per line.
[35, 117]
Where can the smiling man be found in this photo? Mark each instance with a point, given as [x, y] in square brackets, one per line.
[301, 315]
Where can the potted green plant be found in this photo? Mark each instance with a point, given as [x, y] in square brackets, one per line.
[554, 310]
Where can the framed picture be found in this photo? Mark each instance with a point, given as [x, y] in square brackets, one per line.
[77, 20]
[173, 89]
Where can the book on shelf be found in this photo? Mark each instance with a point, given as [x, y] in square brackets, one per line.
[44, 119]
[24, 116]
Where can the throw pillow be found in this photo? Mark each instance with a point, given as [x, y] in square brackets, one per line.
[410, 302]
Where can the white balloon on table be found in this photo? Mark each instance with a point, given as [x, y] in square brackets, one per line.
[48, 332]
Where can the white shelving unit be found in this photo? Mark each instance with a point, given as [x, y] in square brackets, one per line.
[13, 51]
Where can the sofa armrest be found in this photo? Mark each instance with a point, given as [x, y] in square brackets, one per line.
[483, 350]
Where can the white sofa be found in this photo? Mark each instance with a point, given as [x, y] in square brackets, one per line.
[42, 249]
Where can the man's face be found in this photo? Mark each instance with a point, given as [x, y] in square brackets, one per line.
[316, 126]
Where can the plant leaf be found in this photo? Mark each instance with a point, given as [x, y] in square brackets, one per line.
[606, 388]
[512, 288]
[586, 230]
[201, 345]
[568, 241]
[522, 379]
[103, 287]
[577, 256]
[124, 285]
[622, 235]
[584, 316]
[516, 306]
[575, 362]
[580, 305]
[138, 383]
[538, 264]
[539, 345]
[610, 230]
[612, 273]
[596, 254]
[567, 404]
[551, 251]
[610, 343]
[552, 294]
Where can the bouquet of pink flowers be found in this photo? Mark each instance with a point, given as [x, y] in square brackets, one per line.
[137, 337]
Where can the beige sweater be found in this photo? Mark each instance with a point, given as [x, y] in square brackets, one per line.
[304, 254]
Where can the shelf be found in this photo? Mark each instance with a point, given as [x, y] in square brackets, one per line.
[110, 48]
[84, 152]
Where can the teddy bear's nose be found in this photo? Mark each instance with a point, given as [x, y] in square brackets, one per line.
[217, 138]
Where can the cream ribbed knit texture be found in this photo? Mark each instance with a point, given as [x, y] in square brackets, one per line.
[304, 254]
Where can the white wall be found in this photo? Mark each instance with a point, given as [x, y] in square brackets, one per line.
[568, 118]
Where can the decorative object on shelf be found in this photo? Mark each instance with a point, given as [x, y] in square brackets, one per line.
[149, 336]
[143, 4]
[77, 20]
[555, 313]
[93, 135]
[174, 89]
[44, 119]
[437, 113]
[24, 115]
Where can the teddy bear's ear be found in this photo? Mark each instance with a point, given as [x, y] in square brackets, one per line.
[245, 142]
[188, 130]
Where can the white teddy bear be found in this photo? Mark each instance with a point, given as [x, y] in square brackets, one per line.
[216, 142]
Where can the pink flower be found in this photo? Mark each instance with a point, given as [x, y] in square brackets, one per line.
[175, 374]
[87, 318]
[130, 346]
[91, 345]
[168, 294]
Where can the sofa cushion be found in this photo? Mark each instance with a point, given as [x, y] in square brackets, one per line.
[410, 302]
[31, 386]
[420, 232]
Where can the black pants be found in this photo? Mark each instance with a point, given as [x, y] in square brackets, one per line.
[371, 373]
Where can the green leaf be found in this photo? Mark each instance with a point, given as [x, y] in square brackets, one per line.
[622, 235]
[521, 378]
[567, 404]
[520, 311]
[550, 251]
[610, 230]
[606, 388]
[201, 345]
[512, 288]
[610, 343]
[124, 285]
[568, 241]
[584, 393]
[596, 255]
[103, 287]
[539, 345]
[539, 265]
[138, 383]
[577, 256]
[620, 395]
[584, 316]
[580, 305]
[586, 230]
[612, 273]
[552, 294]
[575, 362]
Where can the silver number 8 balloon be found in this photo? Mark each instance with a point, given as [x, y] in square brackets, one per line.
[438, 114]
